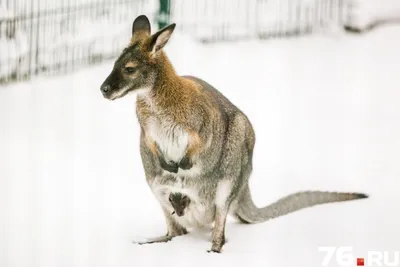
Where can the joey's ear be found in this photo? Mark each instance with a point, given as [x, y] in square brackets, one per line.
[160, 39]
[140, 28]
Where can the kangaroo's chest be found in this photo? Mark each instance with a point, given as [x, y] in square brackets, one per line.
[170, 138]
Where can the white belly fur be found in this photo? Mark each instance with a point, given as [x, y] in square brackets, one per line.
[171, 139]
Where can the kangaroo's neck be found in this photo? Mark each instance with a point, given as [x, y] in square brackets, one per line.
[167, 82]
[170, 91]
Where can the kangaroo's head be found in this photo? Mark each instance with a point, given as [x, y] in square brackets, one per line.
[136, 69]
[179, 202]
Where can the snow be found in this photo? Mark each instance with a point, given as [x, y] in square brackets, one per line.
[326, 115]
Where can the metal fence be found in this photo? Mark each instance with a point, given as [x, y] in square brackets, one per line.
[48, 37]
[216, 20]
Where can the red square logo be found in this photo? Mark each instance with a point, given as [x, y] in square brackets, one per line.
[360, 261]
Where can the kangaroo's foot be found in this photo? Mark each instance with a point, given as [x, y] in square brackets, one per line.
[158, 239]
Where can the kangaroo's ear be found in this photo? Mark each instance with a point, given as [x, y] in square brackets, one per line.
[160, 39]
[140, 28]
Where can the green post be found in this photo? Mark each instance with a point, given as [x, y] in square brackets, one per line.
[164, 13]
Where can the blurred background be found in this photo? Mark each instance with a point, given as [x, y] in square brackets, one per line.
[319, 80]
[45, 37]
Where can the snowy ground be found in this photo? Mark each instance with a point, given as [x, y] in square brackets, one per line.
[326, 114]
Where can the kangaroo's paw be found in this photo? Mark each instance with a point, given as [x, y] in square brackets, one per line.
[158, 239]
[169, 166]
[165, 164]
[185, 163]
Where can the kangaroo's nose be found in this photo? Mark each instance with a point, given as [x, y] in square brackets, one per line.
[105, 88]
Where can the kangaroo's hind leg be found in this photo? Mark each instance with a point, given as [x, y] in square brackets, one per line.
[231, 178]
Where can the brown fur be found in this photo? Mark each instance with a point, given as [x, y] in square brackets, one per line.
[176, 95]
[131, 64]
[195, 144]
[152, 146]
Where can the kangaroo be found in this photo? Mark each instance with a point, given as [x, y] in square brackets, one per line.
[193, 141]
[179, 202]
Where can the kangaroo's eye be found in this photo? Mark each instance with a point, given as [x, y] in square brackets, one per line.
[130, 70]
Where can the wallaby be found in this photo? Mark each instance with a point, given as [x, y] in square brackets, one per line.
[179, 202]
[193, 141]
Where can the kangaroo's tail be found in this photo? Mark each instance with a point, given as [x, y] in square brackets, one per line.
[248, 212]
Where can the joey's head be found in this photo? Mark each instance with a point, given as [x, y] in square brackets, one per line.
[136, 69]
[179, 202]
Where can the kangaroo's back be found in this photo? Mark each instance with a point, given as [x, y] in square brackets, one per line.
[226, 107]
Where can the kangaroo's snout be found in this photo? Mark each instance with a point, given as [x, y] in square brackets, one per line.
[105, 88]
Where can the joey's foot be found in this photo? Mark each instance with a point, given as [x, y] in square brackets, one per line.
[169, 166]
[185, 163]
[158, 239]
